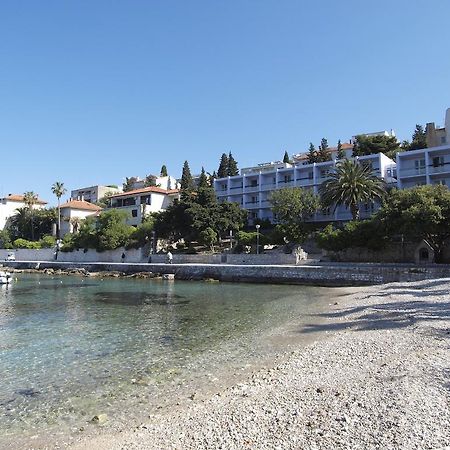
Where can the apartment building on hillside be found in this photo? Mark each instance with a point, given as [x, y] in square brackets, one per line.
[425, 166]
[253, 187]
[438, 136]
[93, 194]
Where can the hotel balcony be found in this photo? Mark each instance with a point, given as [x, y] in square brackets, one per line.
[268, 186]
[411, 172]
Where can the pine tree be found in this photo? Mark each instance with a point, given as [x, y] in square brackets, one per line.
[203, 180]
[150, 180]
[187, 184]
[129, 184]
[286, 158]
[324, 151]
[163, 172]
[232, 166]
[340, 150]
[222, 172]
[312, 154]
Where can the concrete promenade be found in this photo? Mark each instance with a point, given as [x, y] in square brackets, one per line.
[321, 274]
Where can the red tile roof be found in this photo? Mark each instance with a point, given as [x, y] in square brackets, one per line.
[145, 190]
[19, 198]
[81, 204]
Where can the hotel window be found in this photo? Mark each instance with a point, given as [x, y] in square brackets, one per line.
[224, 187]
[438, 161]
[310, 175]
[134, 213]
[146, 200]
[287, 179]
[419, 165]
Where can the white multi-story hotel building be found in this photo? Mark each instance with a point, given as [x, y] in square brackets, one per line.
[253, 187]
[426, 166]
[430, 165]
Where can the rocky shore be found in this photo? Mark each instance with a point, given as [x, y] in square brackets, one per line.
[381, 380]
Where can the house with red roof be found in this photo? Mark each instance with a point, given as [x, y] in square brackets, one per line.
[10, 204]
[74, 212]
[140, 202]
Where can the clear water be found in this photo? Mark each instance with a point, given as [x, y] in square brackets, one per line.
[72, 348]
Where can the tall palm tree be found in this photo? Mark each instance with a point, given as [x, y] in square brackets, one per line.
[59, 190]
[30, 199]
[351, 184]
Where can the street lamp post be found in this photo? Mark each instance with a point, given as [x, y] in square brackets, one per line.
[153, 243]
[258, 226]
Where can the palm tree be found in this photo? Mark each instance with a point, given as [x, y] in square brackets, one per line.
[19, 223]
[30, 199]
[351, 184]
[59, 190]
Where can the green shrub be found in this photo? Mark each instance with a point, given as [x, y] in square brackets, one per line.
[47, 242]
[365, 233]
[23, 243]
[5, 239]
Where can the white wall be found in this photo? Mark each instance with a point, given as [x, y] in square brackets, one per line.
[70, 213]
[48, 254]
[8, 209]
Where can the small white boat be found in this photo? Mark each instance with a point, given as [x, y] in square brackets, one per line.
[5, 277]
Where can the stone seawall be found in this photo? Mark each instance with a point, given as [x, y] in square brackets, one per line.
[321, 275]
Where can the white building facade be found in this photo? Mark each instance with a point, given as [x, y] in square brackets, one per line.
[426, 166]
[74, 212]
[252, 189]
[10, 204]
[141, 202]
[93, 194]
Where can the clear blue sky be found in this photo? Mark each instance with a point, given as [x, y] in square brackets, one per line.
[92, 91]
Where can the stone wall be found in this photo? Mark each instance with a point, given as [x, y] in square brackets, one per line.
[138, 256]
[48, 254]
[393, 253]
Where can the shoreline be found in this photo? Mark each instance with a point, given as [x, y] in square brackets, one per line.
[380, 379]
[323, 274]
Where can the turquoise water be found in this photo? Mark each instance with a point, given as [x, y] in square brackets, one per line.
[71, 347]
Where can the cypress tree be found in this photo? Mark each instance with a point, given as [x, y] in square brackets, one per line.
[286, 158]
[312, 154]
[203, 180]
[222, 172]
[324, 151]
[187, 184]
[163, 172]
[419, 138]
[340, 150]
[232, 166]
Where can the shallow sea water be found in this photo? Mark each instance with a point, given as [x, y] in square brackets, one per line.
[72, 348]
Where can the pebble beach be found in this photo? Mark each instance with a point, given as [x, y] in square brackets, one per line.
[380, 379]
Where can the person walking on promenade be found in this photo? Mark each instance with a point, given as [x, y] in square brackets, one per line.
[169, 257]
